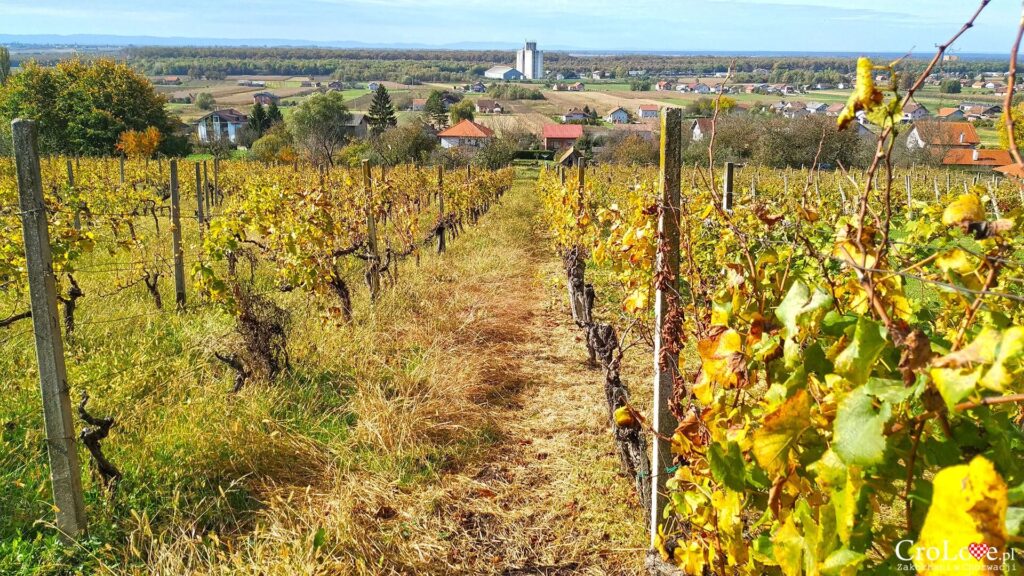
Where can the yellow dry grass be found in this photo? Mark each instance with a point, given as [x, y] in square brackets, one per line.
[476, 439]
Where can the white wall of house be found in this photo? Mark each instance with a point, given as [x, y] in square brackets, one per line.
[618, 117]
[457, 142]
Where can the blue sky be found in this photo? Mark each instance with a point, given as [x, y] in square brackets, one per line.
[798, 25]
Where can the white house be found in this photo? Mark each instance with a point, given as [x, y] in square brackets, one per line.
[465, 134]
[647, 111]
[700, 128]
[618, 116]
[575, 115]
[220, 125]
[503, 73]
[373, 86]
[913, 112]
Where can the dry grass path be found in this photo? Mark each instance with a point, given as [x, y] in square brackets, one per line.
[547, 497]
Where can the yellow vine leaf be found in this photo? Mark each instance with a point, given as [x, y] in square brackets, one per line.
[774, 442]
[865, 96]
[965, 209]
[966, 522]
[721, 358]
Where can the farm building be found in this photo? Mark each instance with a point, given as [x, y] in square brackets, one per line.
[418, 104]
[373, 86]
[252, 83]
[974, 111]
[618, 116]
[264, 98]
[835, 109]
[700, 128]
[503, 73]
[976, 159]
[561, 136]
[220, 125]
[577, 87]
[357, 126]
[943, 135]
[646, 130]
[664, 86]
[648, 111]
[465, 134]
[478, 87]
[571, 157]
[484, 106]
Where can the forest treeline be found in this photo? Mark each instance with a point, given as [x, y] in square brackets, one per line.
[452, 65]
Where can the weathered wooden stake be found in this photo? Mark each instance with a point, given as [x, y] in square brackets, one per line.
[995, 204]
[216, 181]
[910, 197]
[71, 188]
[65, 471]
[373, 275]
[200, 215]
[176, 248]
[667, 297]
[206, 192]
[121, 168]
[441, 230]
[727, 186]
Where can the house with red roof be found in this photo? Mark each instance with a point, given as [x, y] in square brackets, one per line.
[976, 159]
[950, 114]
[942, 136]
[648, 111]
[465, 134]
[913, 112]
[561, 136]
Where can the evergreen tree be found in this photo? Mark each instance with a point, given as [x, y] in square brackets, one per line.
[5, 65]
[258, 122]
[273, 115]
[434, 110]
[382, 112]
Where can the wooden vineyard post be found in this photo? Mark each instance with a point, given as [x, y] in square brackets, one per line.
[666, 310]
[199, 199]
[71, 187]
[65, 471]
[727, 186]
[373, 274]
[206, 191]
[581, 177]
[441, 225]
[121, 170]
[216, 181]
[179, 256]
[910, 196]
[561, 174]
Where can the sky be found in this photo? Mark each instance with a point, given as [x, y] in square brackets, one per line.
[714, 25]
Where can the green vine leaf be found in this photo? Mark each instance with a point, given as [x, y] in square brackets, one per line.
[857, 360]
[859, 429]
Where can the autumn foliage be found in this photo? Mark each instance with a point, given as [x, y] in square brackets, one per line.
[139, 144]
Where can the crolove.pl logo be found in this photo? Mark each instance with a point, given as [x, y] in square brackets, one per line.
[980, 551]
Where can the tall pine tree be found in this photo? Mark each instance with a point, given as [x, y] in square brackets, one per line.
[258, 122]
[274, 115]
[435, 111]
[382, 112]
